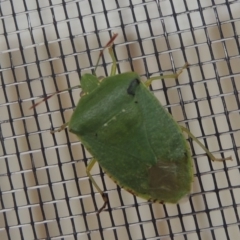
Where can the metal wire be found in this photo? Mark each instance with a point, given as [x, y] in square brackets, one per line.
[45, 46]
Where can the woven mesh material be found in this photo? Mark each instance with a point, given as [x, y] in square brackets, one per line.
[46, 45]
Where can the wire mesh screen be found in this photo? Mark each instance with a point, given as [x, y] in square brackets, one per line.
[46, 46]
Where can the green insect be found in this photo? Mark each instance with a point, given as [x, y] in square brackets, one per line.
[134, 139]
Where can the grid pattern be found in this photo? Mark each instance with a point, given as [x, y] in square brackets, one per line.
[45, 46]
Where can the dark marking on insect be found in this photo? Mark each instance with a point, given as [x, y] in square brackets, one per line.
[133, 87]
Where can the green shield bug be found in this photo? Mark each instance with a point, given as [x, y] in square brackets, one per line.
[134, 139]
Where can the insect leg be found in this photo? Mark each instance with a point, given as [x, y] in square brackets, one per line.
[149, 81]
[104, 196]
[114, 62]
[203, 147]
[60, 129]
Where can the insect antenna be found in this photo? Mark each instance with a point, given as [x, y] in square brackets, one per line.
[51, 95]
[109, 44]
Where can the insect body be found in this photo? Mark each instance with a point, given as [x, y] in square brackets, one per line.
[134, 139]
